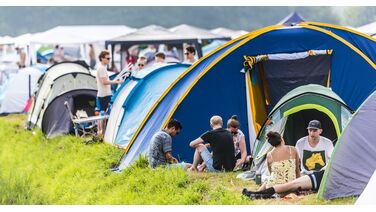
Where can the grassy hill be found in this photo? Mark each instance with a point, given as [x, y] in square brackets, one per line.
[64, 170]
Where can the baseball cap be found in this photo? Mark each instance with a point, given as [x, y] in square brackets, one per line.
[314, 124]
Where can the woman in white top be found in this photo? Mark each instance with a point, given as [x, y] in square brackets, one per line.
[233, 125]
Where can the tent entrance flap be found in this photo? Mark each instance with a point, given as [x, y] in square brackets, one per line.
[280, 73]
[282, 76]
[296, 125]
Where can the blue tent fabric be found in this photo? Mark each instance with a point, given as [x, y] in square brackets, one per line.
[221, 90]
[292, 18]
[364, 43]
[160, 114]
[143, 97]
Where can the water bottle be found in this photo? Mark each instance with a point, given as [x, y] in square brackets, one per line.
[258, 178]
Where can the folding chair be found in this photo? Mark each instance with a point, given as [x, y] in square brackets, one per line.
[81, 128]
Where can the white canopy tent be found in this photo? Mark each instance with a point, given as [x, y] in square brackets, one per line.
[228, 32]
[189, 31]
[81, 34]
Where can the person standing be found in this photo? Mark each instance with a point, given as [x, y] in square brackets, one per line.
[314, 150]
[222, 144]
[22, 57]
[190, 55]
[92, 58]
[104, 86]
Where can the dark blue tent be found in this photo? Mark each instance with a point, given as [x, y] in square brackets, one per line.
[248, 75]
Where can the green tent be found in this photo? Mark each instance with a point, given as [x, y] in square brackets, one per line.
[291, 115]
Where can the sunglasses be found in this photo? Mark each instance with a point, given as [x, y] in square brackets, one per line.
[141, 64]
[186, 53]
[108, 58]
[234, 133]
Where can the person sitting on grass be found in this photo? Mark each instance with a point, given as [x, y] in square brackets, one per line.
[305, 182]
[221, 142]
[283, 162]
[160, 146]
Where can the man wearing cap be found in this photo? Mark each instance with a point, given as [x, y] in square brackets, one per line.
[314, 150]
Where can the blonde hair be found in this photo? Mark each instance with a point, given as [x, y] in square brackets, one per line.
[216, 120]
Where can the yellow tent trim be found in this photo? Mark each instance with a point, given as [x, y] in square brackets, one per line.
[256, 125]
[341, 40]
[341, 28]
[317, 107]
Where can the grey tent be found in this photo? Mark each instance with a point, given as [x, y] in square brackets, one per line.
[67, 81]
[354, 157]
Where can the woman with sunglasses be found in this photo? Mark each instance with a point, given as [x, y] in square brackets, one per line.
[233, 125]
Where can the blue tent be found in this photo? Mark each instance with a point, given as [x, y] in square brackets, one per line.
[134, 99]
[247, 76]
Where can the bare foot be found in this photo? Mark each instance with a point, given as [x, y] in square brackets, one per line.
[192, 169]
[201, 168]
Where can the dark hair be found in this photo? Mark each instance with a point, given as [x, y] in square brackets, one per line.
[174, 123]
[103, 54]
[191, 49]
[274, 138]
[160, 54]
[233, 122]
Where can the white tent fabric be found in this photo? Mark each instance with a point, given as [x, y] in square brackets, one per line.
[369, 29]
[368, 196]
[19, 90]
[80, 34]
[228, 32]
[189, 31]
[151, 32]
[6, 40]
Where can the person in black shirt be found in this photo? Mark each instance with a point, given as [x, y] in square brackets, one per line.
[222, 144]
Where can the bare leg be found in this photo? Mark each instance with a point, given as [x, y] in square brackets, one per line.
[303, 182]
[263, 187]
[100, 128]
[197, 157]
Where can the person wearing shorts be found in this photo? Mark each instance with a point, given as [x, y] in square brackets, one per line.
[221, 142]
[305, 182]
[104, 86]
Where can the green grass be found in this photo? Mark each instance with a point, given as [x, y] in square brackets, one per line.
[63, 170]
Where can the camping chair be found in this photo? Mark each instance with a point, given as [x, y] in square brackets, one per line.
[82, 126]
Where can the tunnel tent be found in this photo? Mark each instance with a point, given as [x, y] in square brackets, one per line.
[144, 88]
[70, 81]
[353, 160]
[291, 116]
[223, 84]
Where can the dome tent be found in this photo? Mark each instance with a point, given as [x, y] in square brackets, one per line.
[66, 81]
[291, 115]
[222, 83]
